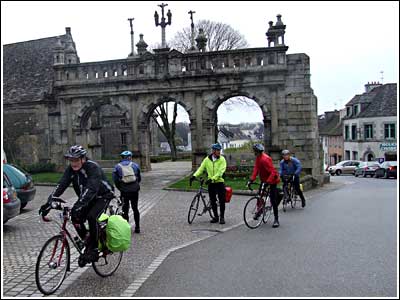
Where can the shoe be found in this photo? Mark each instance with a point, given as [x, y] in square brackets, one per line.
[222, 221]
[88, 257]
[81, 261]
[276, 223]
[214, 220]
[303, 203]
[257, 215]
[137, 230]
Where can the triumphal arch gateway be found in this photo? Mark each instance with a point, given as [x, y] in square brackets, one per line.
[198, 80]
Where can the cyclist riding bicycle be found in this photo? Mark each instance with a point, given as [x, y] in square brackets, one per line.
[291, 166]
[94, 192]
[265, 169]
[215, 165]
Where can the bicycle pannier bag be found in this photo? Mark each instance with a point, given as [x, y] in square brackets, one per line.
[118, 232]
[128, 175]
[228, 194]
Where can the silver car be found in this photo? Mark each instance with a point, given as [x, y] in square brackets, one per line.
[344, 167]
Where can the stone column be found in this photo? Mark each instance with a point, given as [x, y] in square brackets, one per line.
[134, 118]
[198, 148]
[144, 155]
[274, 118]
[68, 104]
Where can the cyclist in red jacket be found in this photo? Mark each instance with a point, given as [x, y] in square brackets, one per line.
[265, 169]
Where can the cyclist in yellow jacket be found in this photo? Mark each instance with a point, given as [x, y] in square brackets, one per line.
[215, 166]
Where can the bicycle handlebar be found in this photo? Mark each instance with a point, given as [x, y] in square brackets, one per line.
[250, 184]
[201, 180]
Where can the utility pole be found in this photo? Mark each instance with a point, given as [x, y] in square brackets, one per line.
[192, 47]
[163, 24]
[132, 44]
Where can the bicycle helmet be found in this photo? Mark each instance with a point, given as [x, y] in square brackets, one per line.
[126, 153]
[76, 151]
[216, 146]
[285, 152]
[258, 147]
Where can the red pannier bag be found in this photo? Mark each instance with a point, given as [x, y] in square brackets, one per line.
[228, 194]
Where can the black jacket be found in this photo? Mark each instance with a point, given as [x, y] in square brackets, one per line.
[89, 182]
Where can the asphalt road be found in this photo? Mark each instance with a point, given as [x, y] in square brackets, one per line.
[343, 244]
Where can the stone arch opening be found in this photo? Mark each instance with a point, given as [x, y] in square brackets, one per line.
[155, 136]
[239, 121]
[104, 128]
[259, 110]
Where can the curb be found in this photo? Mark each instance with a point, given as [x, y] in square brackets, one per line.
[236, 192]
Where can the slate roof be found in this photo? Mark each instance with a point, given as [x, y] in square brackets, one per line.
[330, 124]
[28, 70]
[379, 102]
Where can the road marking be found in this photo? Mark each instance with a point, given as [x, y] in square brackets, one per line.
[146, 273]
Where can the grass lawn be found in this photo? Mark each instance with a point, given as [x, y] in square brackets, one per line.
[238, 183]
[53, 177]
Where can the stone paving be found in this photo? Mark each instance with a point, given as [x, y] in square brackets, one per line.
[24, 235]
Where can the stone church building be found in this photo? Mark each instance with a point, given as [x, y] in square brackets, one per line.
[52, 100]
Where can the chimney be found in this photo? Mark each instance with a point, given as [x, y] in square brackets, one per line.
[370, 86]
[68, 30]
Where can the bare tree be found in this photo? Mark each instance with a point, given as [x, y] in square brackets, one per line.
[161, 117]
[220, 37]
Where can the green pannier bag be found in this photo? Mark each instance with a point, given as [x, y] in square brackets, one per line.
[118, 234]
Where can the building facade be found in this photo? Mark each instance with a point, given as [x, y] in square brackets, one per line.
[330, 132]
[370, 124]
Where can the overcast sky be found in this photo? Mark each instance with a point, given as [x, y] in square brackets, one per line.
[349, 43]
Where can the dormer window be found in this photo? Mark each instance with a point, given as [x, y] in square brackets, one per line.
[348, 111]
[356, 110]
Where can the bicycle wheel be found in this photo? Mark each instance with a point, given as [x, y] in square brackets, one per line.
[194, 206]
[209, 209]
[52, 264]
[267, 211]
[296, 200]
[253, 213]
[108, 263]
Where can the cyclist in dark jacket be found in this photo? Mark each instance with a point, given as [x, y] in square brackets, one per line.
[291, 166]
[93, 191]
[126, 176]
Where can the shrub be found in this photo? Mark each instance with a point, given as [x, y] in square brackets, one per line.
[40, 168]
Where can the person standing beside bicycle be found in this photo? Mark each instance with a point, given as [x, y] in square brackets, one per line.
[268, 174]
[126, 176]
[215, 166]
[94, 192]
[291, 166]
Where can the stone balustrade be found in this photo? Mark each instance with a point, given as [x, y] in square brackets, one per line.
[174, 64]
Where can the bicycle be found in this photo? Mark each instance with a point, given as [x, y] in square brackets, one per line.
[289, 192]
[194, 205]
[53, 261]
[258, 208]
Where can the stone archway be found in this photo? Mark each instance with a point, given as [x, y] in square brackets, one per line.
[145, 130]
[369, 156]
[104, 129]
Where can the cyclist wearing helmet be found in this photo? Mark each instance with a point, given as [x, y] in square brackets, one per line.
[93, 190]
[126, 176]
[215, 166]
[291, 166]
[265, 169]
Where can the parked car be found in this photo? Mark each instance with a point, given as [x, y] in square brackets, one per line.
[11, 203]
[22, 182]
[366, 168]
[387, 169]
[344, 167]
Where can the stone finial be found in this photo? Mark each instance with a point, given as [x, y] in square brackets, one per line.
[58, 45]
[68, 30]
[141, 45]
[270, 24]
[279, 21]
[201, 40]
